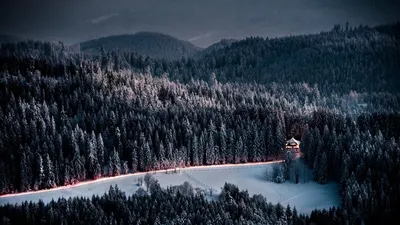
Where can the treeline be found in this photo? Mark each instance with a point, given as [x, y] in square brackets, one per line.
[164, 207]
[364, 157]
[361, 59]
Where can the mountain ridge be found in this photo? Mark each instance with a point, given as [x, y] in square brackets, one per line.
[153, 44]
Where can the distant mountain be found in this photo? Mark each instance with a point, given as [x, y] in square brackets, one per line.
[346, 58]
[152, 44]
[5, 38]
[216, 46]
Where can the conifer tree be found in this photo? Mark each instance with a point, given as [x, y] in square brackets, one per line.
[288, 165]
[100, 150]
[223, 146]
[147, 158]
[24, 176]
[134, 157]
[114, 164]
[161, 150]
[42, 175]
[49, 173]
[196, 149]
[94, 170]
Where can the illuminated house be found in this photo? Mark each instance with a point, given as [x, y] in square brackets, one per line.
[293, 145]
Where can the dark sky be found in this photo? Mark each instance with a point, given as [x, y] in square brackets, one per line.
[202, 22]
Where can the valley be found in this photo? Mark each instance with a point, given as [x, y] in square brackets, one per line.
[76, 120]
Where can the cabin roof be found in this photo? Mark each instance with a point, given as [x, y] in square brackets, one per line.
[293, 141]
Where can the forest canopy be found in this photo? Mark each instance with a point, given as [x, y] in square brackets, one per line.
[67, 116]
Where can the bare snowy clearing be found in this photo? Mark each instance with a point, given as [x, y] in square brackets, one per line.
[305, 196]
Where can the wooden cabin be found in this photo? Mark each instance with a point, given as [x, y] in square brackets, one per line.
[293, 145]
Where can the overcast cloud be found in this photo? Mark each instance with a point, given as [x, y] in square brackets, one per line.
[203, 22]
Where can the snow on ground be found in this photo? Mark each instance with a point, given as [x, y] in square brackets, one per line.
[305, 196]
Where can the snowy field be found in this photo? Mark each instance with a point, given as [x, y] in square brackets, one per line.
[305, 196]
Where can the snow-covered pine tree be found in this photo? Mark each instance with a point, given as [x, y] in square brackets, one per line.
[222, 147]
[134, 157]
[195, 150]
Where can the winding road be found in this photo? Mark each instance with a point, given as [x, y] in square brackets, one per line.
[135, 174]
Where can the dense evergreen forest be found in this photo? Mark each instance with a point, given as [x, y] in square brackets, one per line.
[67, 116]
[164, 207]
